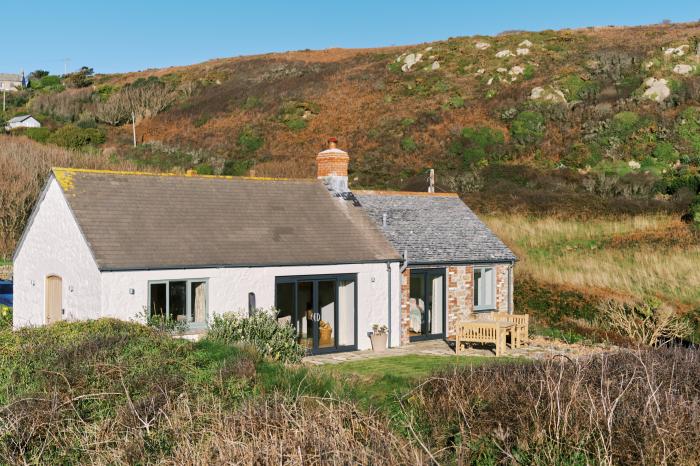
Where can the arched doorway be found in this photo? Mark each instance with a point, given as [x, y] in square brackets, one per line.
[54, 299]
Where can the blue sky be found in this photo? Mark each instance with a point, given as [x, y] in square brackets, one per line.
[129, 35]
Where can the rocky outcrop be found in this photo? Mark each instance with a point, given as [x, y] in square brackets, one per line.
[548, 93]
[676, 51]
[504, 54]
[482, 45]
[410, 60]
[657, 89]
[683, 69]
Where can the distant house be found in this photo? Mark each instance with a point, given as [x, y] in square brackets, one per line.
[22, 121]
[12, 82]
[331, 260]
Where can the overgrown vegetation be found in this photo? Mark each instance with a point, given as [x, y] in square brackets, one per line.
[111, 392]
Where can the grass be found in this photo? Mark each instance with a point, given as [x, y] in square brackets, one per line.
[638, 256]
[380, 380]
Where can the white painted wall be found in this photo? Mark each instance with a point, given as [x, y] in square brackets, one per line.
[54, 245]
[229, 288]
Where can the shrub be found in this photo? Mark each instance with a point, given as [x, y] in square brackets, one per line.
[646, 323]
[249, 141]
[688, 129]
[38, 134]
[619, 408]
[476, 144]
[262, 331]
[527, 127]
[72, 137]
[408, 144]
[576, 88]
[5, 317]
[529, 72]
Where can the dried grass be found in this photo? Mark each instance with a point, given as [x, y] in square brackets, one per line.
[594, 254]
[639, 407]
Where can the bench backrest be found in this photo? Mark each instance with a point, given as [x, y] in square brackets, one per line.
[481, 332]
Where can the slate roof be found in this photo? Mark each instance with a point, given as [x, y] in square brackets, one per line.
[434, 228]
[146, 221]
[10, 77]
[19, 119]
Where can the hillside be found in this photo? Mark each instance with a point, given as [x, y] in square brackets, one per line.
[597, 120]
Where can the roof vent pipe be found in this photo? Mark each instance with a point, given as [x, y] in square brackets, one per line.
[384, 220]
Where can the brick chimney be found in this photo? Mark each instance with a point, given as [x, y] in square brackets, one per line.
[332, 167]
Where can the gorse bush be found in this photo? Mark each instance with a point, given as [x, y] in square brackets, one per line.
[73, 137]
[476, 144]
[527, 127]
[5, 317]
[262, 331]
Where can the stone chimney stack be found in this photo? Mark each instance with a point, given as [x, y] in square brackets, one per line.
[332, 167]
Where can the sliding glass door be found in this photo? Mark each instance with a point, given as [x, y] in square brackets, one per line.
[322, 310]
[427, 304]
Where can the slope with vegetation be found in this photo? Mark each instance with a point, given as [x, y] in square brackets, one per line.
[554, 135]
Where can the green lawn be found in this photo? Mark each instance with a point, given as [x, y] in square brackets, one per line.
[379, 381]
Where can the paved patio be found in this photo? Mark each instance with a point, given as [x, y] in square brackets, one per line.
[538, 348]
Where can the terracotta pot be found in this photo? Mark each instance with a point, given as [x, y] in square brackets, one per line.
[378, 342]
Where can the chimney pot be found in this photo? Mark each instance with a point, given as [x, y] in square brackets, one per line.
[332, 167]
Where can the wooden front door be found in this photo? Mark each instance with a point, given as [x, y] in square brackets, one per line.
[54, 299]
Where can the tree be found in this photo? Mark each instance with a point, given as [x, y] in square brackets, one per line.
[38, 74]
[80, 78]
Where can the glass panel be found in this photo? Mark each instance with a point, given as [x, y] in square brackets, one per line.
[178, 301]
[346, 312]
[284, 302]
[326, 308]
[488, 288]
[416, 305]
[484, 291]
[305, 309]
[436, 304]
[158, 299]
[198, 302]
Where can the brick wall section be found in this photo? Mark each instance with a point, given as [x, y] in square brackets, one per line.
[405, 307]
[460, 300]
[332, 164]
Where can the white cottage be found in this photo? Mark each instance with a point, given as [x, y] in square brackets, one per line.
[22, 121]
[127, 245]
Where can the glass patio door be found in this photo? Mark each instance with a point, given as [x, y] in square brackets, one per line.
[427, 304]
[322, 310]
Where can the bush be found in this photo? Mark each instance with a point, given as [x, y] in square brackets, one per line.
[476, 144]
[249, 141]
[5, 317]
[262, 331]
[408, 144]
[646, 323]
[73, 137]
[38, 134]
[621, 408]
[528, 127]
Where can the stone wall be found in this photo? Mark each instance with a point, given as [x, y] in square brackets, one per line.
[460, 296]
[405, 306]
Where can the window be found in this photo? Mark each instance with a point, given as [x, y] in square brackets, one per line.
[484, 288]
[181, 300]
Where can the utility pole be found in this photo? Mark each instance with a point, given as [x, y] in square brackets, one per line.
[133, 125]
[65, 66]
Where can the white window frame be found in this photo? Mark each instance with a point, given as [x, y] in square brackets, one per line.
[489, 288]
[188, 299]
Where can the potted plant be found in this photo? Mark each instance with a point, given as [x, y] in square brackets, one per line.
[378, 337]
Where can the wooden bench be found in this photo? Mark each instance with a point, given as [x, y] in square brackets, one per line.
[521, 321]
[483, 331]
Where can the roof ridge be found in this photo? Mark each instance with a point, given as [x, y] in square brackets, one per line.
[403, 193]
[170, 174]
